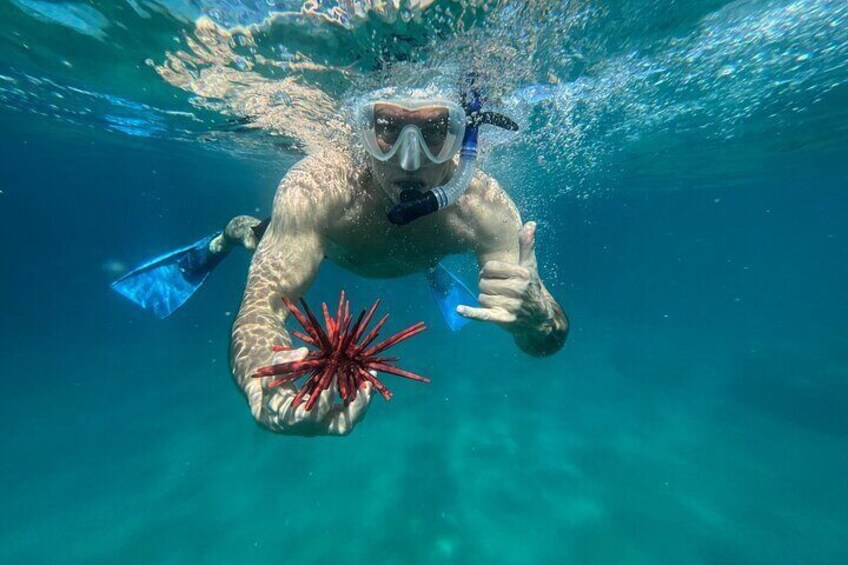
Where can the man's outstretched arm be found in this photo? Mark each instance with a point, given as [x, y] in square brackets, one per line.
[285, 264]
[512, 294]
[545, 322]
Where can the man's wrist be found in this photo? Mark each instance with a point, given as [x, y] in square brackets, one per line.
[545, 337]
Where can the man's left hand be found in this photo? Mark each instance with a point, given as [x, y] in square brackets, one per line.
[511, 295]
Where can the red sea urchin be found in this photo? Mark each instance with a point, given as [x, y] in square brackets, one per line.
[342, 353]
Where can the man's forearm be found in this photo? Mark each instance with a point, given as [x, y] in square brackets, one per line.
[256, 330]
[548, 337]
[251, 347]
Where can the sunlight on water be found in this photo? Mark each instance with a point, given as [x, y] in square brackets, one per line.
[597, 101]
[589, 90]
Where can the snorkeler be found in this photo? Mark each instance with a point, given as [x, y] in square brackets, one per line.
[409, 205]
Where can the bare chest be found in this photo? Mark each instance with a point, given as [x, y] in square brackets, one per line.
[368, 245]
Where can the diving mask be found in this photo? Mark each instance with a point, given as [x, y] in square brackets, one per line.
[412, 128]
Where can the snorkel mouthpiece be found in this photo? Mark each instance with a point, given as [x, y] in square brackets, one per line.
[413, 206]
[419, 205]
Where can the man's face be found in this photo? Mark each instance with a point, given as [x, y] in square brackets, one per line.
[420, 141]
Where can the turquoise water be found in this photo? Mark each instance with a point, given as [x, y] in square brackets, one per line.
[685, 164]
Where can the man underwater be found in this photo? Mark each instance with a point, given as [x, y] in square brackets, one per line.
[409, 205]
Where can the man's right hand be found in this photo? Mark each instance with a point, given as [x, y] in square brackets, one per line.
[272, 407]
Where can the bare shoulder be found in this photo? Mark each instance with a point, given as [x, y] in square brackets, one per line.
[314, 188]
[488, 211]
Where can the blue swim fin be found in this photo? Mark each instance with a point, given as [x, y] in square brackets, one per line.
[165, 283]
[449, 293]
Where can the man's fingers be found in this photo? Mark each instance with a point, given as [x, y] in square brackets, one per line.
[326, 416]
[360, 404]
[513, 288]
[499, 302]
[527, 245]
[502, 270]
[325, 400]
[289, 355]
[345, 418]
[485, 314]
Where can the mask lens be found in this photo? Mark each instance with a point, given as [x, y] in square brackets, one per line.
[388, 123]
[390, 120]
[434, 130]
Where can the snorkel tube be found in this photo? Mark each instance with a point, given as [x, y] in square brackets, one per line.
[414, 204]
